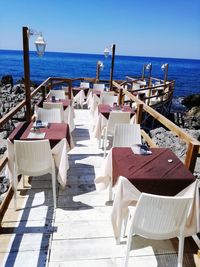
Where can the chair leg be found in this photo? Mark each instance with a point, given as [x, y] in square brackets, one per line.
[15, 193]
[125, 225]
[180, 251]
[54, 189]
[128, 246]
[100, 142]
[105, 144]
[110, 191]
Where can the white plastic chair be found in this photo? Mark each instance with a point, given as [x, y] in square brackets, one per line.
[115, 117]
[99, 86]
[126, 135]
[49, 115]
[33, 158]
[57, 93]
[84, 84]
[52, 105]
[159, 217]
[108, 99]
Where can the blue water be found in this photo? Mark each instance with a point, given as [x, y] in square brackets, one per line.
[186, 72]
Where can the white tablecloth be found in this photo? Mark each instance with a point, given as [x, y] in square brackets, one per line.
[60, 156]
[69, 116]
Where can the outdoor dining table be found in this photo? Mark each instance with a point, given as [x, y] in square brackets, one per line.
[60, 140]
[160, 173]
[102, 116]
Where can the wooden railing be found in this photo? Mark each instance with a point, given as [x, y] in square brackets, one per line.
[193, 145]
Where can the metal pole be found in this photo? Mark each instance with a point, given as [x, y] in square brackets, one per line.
[112, 66]
[27, 73]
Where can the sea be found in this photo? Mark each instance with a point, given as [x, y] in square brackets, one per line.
[185, 72]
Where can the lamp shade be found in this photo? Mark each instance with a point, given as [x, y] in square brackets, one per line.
[100, 63]
[148, 66]
[164, 66]
[106, 52]
[40, 45]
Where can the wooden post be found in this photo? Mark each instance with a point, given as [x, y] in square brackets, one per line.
[70, 89]
[98, 71]
[120, 96]
[43, 92]
[112, 67]
[191, 156]
[27, 73]
[143, 71]
[139, 113]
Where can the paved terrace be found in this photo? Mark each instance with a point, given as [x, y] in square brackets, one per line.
[79, 232]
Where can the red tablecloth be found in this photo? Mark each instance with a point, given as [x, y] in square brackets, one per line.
[54, 132]
[106, 109]
[151, 173]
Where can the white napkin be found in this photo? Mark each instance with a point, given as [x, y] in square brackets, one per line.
[36, 135]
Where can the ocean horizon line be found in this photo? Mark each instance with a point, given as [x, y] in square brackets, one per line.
[95, 54]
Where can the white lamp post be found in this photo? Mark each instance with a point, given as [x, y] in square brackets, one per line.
[146, 67]
[106, 54]
[164, 67]
[40, 46]
[100, 66]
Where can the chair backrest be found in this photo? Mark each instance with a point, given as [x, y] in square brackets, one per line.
[126, 135]
[57, 93]
[50, 105]
[160, 217]
[108, 99]
[99, 86]
[85, 85]
[33, 157]
[117, 117]
[65, 88]
[49, 115]
[135, 86]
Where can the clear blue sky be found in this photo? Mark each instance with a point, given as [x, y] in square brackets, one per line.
[159, 28]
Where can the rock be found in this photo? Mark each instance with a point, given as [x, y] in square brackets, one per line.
[164, 138]
[192, 118]
[18, 90]
[7, 79]
[191, 101]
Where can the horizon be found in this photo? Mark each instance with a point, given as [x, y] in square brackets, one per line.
[166, 29]
[116, 55]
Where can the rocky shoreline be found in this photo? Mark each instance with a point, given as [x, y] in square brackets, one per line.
[188, 108]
